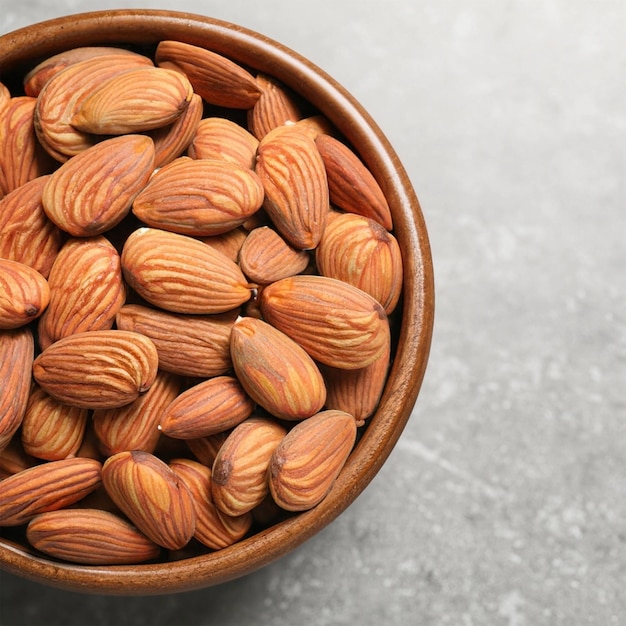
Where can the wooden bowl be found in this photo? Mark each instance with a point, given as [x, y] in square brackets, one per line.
[20, 51]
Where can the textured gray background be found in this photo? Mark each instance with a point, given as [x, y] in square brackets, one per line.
[504, 502]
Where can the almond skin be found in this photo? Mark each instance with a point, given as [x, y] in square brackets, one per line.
[135, 101]
[69, 535]
[336, 323]
[94, 191]
[27, 235]
[308, 460]
[217, 79]
[210, 407]
[352, 186]
[152, 496]
[98, 369]
[275, 371]
[86, 289]
[181, 274]
[24, 294]
[240, 468]
[199, 197]
[296, 189]
[214, 529]
[197, 346]
[17, 349]
[46, 487]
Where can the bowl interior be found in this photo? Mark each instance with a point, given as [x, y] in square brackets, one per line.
[19, 52]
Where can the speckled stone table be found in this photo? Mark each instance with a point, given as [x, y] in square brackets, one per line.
[504, 502]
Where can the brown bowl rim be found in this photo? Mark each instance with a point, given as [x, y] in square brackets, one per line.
[18, 49]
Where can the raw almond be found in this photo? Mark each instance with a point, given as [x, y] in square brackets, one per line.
[133, 102]
[14, 459]
[308, 460]
[17, 349]
[50, 430]
[86, 289]
[69, 535]
[228, 243]
[181, 274]
[296, 189]
[152, 496]
[94, 191]
[209, 407]
[239, 477]
[46, 487]
[97, 369]
[217, 79]
[199, 197]
[275, 371]
[214, 529]
[336, 323]
[24, 294]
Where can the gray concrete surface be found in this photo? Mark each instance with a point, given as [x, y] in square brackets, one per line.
[504, 502]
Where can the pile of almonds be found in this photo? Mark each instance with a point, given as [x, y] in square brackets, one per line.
[197, 280]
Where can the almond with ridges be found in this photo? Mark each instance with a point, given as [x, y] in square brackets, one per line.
[49, 486]
[275, 107]
[228, 243]
[152, 496]
[14, 458]
[181, 274]
[97, 369]
[24, 294]
[239, 474]
[308, 460]
[205, 449]
[336, 323]
[275, 371]
[69, 535]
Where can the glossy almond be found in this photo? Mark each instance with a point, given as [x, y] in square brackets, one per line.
[351, 185]
[199, 197]
[152, 496]
[308, 460]
[46, 487]
[336, 323]
[275, 371]
[50, 430]
[17, 348]
[94, 191]
[97, 369]
[209, 407]
[69, 535]
[296, 189]
[239, 478]
[86, 289]
[135, 425]
[63, 94]
[221, 138]
[214, 529]
[26, 233]
[24, 294]
[181, 274]
[359, 251]
[266, 257]
[275, 107]
[132, 102]
[217, 79]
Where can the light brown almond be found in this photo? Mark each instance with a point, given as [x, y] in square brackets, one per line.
[24, 294]
[205, 449]
[228, 243]
[199, 197]
[152, 496]
[308, 460]
[181, 274]
[97, 369]
[94, 191]
[46, 487]
[275, 371]
[209, 407]
[86, 289]
[336, 323]
[239, 476]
